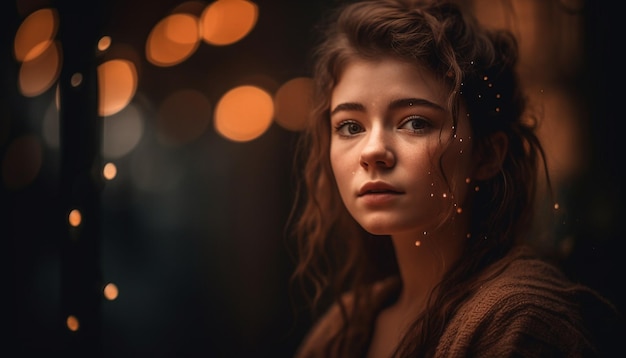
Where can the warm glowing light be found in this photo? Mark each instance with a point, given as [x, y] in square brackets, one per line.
[292, 103]
[110, 171]
[22, 162]
[173, 40]
[104, 43]
[418, 243]
[35, 34]
[75, 217]
[225, 22]
[111, 292]
[244, 113]
[117, 83]
[72, 323]
[37, 75]
[183, 117]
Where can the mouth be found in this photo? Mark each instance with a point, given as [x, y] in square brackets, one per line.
[373, 188]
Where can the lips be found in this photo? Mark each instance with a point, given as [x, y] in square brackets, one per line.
[378, 188]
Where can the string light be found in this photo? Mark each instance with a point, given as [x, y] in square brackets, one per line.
[111, 291]
[110, 171]
[72, 323]
[75, 218]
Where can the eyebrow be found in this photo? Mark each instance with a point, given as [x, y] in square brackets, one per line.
[409, 102]
[395, 104]
[348, 106]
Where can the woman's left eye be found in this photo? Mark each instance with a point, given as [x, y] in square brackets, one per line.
[415, 124]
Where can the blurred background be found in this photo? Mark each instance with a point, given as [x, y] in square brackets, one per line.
[146, 152]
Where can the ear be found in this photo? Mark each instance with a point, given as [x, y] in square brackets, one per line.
[490, 155]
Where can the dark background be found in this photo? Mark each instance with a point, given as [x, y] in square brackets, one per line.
[202, 265]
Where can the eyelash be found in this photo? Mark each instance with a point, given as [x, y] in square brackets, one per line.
[425, 124]
[341, 126]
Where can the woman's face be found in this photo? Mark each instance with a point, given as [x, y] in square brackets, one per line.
[389, 127]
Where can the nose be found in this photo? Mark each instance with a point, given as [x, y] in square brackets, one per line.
[377, 152]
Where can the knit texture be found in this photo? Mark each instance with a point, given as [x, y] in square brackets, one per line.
[525, 307]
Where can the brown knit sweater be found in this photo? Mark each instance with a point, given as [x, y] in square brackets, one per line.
[529, 309]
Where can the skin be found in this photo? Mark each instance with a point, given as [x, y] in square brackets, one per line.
[389, 127]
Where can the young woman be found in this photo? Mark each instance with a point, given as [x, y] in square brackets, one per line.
[421, 166]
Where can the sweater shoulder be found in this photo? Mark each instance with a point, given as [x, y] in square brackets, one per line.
[525, 305]
[524, 283]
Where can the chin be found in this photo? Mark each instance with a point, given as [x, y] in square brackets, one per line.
[377, 229]
[378, 232]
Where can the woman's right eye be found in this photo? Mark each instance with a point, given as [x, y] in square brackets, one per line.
[348, 128]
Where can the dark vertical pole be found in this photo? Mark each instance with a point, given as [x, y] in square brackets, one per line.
[81, 179]
[8, 250]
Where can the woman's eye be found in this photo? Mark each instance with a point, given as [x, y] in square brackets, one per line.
[416, 124]
[348, 128]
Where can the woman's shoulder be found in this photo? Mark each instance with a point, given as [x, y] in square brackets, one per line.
[526, 305]
[524, 278]
[329, 324]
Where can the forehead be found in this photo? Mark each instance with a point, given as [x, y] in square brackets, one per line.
[381, 80]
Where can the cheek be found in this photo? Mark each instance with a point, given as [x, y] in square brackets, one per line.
[338, 166]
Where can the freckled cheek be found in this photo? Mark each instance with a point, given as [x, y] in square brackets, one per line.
[420, 163]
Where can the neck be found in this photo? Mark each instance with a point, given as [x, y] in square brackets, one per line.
[423, 259]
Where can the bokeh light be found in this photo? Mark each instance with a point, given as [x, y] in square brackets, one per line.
[72, 323]
[292, 103]
[173, 40]
[35, 34]
[111, 291]
[75, 218]
[109, 172]
[244, 113]
[117, 84]
[104, 43]
[38, 74]
[122, 131]
[76, 79]
[225, 22]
